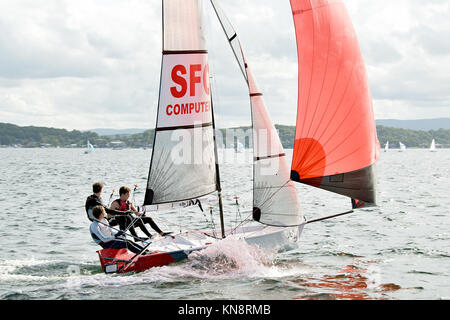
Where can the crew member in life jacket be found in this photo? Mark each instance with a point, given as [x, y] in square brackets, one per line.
[123, 204]
[106, 237]
[115, 217]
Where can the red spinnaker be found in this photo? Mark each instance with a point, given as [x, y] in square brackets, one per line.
[336, 143]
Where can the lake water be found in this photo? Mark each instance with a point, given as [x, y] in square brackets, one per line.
[399, 250]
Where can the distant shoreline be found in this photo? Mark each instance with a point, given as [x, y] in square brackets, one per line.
[42, 137]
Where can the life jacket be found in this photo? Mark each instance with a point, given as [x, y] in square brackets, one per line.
[123, 205]
[91, 202]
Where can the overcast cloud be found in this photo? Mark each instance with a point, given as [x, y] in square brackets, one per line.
[96, 63]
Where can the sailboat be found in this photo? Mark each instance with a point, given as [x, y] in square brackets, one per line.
[240, 147]
[335, 149]
[433, 146]
[402, 147]
[386, 146]
[90, 148]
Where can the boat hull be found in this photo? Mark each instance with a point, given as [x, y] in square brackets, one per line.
[121, 260]
[174, 249]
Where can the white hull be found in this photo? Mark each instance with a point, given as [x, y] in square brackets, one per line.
[265, 237]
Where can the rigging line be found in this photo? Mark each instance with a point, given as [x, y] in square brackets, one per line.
[307, 165]
[269, 198]
[247, 220]
[238, 211]
[186, 228]
[209, 222]
[335, 131]
[328, 217]
[110, 197]
[127, 234]
[213, 224]
[125, 266]
[217, 8]
[273, 194]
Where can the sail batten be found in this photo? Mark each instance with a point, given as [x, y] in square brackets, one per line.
[335, 136]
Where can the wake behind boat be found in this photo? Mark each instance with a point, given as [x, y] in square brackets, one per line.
[335, 149]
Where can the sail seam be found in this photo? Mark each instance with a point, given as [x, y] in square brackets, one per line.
[301, 11]
[187, 199]
[319, 96]
[192, 126]
[269, 157]
[307, 165]
[167, 52]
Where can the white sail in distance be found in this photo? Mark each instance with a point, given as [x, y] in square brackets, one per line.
[433, 146]
[275, 199]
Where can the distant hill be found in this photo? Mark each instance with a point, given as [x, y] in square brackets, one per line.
[423, 124]
[114, 132]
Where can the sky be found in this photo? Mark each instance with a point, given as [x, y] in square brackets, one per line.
[89, 64]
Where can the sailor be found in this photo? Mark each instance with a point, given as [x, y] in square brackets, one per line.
[123, 204]
[115, 217]
[107, 237]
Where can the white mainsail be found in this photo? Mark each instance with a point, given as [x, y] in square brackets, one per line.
[275, 199]
[402, 147]
[90, 148]
[386, 146]
[183, 164]
[433, 146]
[240, 147]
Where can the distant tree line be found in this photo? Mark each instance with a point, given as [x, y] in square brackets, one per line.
[32, 137]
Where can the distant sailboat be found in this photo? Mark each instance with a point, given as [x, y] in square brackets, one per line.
[386, 146]
[90, 148]
[402, 147]
[240, 148]
[433, 146]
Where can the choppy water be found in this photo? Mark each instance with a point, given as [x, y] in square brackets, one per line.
[399, 250]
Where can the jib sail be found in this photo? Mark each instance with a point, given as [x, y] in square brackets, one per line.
[275, 200]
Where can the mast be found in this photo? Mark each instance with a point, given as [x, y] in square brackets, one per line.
[218, 186]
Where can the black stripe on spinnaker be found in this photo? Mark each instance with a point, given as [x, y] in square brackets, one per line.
[359, 184]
